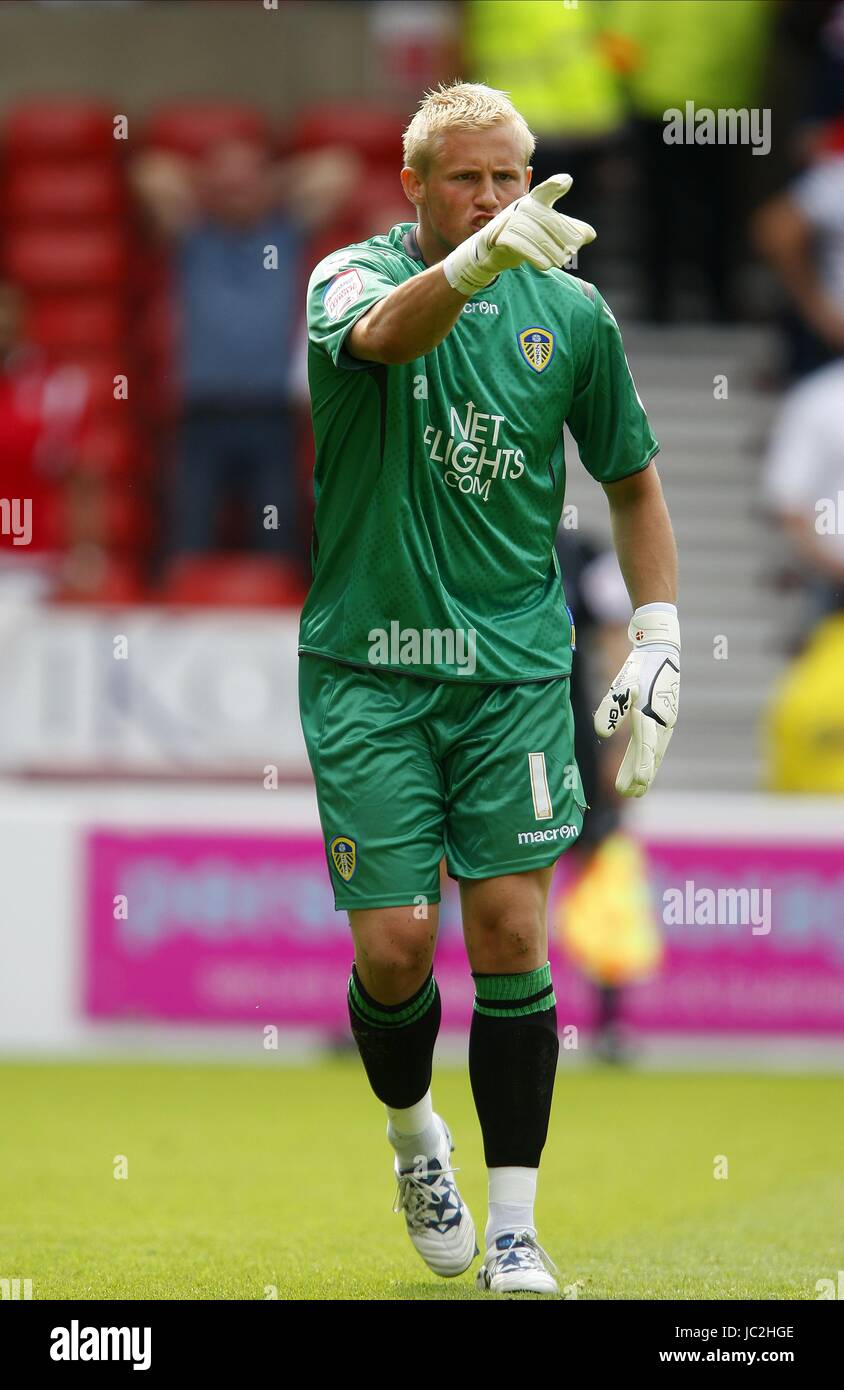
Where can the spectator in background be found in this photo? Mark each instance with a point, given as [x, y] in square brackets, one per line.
[382, 206]
[712, 56]
[804, 483]
[552, 61]
[801, 234]
[817, 27]
[42, 412]
[236, 325]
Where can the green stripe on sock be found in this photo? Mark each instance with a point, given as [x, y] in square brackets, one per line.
[513, 986]
[501, 1007]
[513, 996]
[390, 1018]
[517, 1011]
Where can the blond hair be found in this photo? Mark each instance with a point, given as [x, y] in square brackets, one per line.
[460, 106]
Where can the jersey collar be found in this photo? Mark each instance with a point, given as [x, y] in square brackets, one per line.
[411, 246]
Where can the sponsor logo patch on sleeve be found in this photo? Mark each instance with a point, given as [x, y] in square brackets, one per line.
[343, 290]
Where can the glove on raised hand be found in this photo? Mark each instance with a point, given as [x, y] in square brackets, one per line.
[528, 229]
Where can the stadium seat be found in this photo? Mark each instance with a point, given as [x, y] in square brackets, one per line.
[126, 516]
[91, 575]
[381, 204]
[190, 128]
[60, 128]
[109, 512]
[382, 201]
[55, 191]
[237, 579]
[108, 449]
[832, 139]
[78, 258]
[66, 325]
[373, 131]
[100, 371]
[156, 326]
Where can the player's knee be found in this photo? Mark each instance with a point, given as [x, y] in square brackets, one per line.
[395, 956]
[391, 983]
[508, 942]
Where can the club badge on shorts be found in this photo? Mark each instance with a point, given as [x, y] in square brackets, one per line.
[344, 856]
[537, 347]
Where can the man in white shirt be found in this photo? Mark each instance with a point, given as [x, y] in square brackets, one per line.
[804, 480]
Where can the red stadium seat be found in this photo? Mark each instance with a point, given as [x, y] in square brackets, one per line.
[94, 576]
[63, 192]
[380, 205]
[100, 370]
[156, 327]
[242, 580]
[108, 449]
[76, 258]
[70, 324]
[190, 128]
[127, 519]
[832, 137]
[111, 513]
[373, 131]
[61, 128]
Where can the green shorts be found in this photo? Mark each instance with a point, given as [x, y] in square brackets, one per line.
[407, 769]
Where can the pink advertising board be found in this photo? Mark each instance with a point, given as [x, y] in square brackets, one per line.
[231, 927]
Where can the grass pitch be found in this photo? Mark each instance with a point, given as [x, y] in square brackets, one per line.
[254, 1182]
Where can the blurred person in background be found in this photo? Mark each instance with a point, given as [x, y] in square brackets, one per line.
[803, 721]
[42, 411]
[604, 919]
[801, 234]
[813, 30]
[237, 318]
[712, 55]
[553, 62]
[804, 483]
[383, 205]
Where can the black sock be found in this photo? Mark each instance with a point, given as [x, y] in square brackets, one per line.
[396, 1041]
[513, 1050]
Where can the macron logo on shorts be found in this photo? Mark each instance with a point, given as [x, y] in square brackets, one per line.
[554, 832]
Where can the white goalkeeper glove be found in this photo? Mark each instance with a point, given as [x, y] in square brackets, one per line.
[528, 229]
[648, 688]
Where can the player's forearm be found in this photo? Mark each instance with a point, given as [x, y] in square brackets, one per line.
[643, 537]
[164, 185]
[414, 317]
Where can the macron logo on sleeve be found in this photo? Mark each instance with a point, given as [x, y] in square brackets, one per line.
[343, 290]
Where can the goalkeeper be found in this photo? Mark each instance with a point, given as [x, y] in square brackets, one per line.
[444, 359]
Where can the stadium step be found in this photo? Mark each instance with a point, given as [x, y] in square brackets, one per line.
[730, 551]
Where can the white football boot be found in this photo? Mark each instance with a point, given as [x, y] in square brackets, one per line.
[438, 1221]
[517, 1264]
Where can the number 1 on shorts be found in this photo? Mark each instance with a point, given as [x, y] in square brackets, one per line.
[542, 808]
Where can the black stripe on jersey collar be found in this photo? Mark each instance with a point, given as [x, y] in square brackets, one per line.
[411, 245]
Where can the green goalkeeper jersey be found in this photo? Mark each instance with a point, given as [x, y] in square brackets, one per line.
[440, 483]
